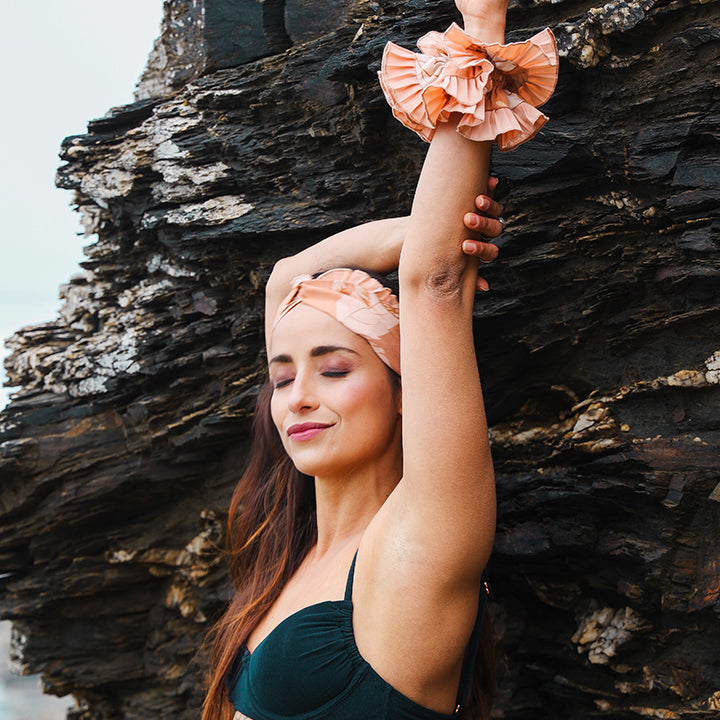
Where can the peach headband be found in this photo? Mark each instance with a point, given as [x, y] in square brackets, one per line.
[357, 301]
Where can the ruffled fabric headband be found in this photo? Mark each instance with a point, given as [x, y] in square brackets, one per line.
[495, 87]
[357, 301]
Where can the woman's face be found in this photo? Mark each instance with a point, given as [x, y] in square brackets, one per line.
[334, 403]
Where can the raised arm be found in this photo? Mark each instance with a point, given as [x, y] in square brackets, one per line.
[375, 246]
[471, 89]
[445, 504]
[448, 476]
[421, 559]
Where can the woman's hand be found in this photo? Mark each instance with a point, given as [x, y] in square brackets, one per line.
[487, 223]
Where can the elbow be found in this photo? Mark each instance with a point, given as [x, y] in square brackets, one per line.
[280, 271]
[280, 277]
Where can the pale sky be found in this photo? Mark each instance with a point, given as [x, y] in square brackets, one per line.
[64, 62]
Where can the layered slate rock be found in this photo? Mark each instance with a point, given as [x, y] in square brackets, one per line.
[598, 348]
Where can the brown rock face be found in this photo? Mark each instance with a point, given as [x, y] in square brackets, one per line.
[599, 350]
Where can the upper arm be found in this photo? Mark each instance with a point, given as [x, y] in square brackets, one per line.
[448, 490]
[276, 288]
[421, 558]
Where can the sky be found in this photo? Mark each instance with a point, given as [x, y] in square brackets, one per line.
[64, 62]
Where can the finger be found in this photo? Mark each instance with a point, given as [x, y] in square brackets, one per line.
[484, 252]
[487, 206]
[492, 184]
[482, 284]
[490, 227]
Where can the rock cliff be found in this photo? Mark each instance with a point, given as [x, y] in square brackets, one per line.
[260, 128]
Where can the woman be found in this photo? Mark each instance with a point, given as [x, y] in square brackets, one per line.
[362, 526]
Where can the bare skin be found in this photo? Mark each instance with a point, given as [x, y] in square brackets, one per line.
[419, 509]
[376, 246]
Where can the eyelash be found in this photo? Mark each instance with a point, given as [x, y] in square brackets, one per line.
[335, 373]
[327, 373]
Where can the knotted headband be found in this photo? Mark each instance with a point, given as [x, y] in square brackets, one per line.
[359, 302]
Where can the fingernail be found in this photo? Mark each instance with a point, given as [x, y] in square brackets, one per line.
[469, 247]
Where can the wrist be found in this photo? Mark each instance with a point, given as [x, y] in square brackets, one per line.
[488, 28]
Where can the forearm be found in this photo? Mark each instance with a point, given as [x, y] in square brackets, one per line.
[455, 170]
[373, 246]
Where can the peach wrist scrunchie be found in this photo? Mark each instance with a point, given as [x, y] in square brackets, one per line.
[356, 300]
[495, 87]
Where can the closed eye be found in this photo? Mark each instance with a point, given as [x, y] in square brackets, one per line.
[282, 383]
[335, 373]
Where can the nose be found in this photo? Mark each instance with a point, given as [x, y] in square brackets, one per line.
[302, 394]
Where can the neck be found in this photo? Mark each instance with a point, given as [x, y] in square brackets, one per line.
[347, 504]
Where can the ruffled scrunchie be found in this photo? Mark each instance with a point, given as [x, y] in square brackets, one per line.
[495, 87]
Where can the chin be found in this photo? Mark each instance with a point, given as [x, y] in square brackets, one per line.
[322, 465]
[308, 467]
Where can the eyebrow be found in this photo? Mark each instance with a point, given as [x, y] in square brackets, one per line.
[318, 351]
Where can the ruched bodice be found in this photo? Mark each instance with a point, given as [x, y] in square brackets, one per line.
[309, 668]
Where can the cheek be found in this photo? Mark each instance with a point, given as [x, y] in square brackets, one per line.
[276, 412]
[369, 397]
[360, 394]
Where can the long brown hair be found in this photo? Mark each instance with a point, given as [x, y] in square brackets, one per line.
[271, 527]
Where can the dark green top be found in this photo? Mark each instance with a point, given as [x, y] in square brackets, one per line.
[309, 668]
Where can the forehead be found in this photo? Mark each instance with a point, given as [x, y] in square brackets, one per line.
[305, 327]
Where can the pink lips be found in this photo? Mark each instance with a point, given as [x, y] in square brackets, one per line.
[305, 431]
